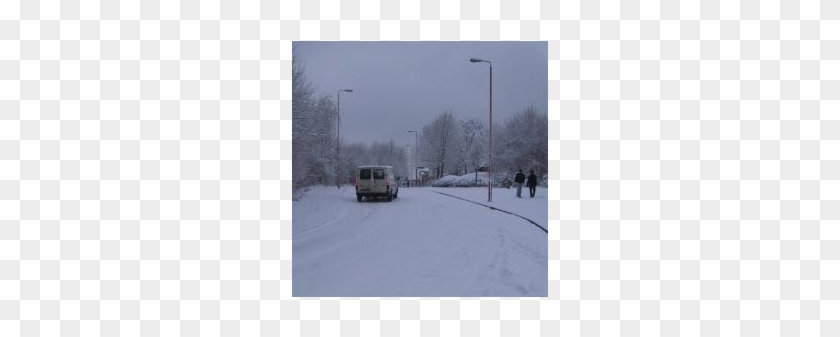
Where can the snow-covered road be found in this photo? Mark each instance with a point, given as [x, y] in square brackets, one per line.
[421, 244]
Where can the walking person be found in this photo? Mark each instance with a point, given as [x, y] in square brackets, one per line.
[519, 179]
[532, 183]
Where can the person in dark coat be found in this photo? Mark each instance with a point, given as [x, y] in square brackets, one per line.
[532, 183]
[519, 179]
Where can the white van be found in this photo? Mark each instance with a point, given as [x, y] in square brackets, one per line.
[373, 181]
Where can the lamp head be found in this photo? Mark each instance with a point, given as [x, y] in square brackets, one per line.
[347, 90]
[475, 60]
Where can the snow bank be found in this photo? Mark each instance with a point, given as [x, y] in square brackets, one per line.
[503, 179]
[467, 180]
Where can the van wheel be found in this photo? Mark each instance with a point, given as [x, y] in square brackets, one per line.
[390, 197]
[359, 197]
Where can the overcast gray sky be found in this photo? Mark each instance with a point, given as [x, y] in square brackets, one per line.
[400, 86]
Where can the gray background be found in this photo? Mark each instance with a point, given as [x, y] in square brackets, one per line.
[145, 147]
[406, 84]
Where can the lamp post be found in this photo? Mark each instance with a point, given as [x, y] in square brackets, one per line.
[409, 163]
[338, 140]
[415, 155]
[490, 146]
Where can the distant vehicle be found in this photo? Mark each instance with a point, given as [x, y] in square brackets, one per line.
[376, 181]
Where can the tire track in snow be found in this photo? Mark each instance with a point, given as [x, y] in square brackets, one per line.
[496, 209]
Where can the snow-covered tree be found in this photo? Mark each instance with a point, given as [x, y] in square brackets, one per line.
[440, 147]
[313, 132]
[522, 143]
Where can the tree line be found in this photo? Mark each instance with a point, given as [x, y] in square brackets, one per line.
[456, 147]
[446, 145]
[315, 159]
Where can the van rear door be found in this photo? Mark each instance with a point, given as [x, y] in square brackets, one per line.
[378, 185]
[364, 180]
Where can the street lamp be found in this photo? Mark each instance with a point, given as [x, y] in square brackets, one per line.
[338, 140]
[409, 163]
[415, 155]
[490, 146]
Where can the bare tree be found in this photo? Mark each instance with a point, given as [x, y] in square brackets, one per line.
[472, 131]
[440, 146]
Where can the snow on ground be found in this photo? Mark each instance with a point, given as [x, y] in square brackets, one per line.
[535, 208]
[420, 244]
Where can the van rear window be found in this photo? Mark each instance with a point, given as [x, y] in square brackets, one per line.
[378, 174]
[364, 174]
